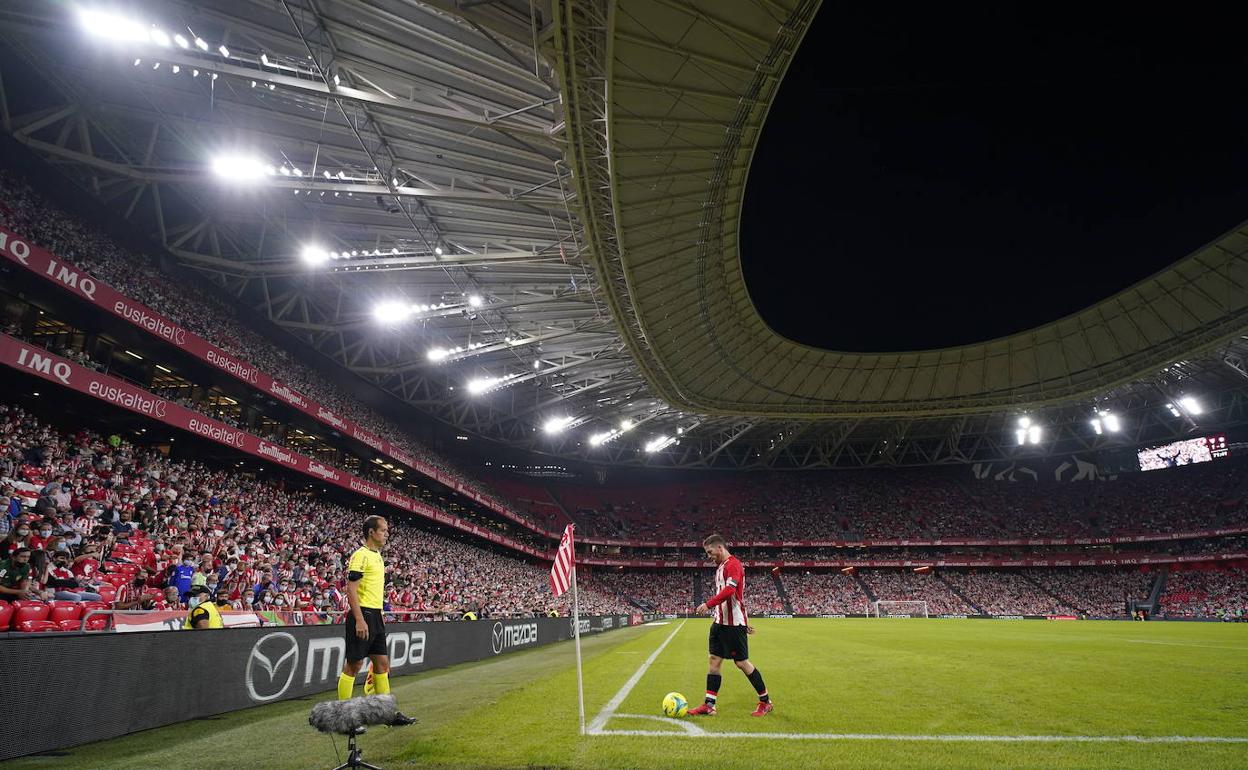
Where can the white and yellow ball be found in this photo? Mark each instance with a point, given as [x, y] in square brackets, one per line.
[675, 705]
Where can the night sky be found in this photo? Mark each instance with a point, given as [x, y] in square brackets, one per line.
[932, 180]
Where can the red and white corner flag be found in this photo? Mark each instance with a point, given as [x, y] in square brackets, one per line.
[561, 571]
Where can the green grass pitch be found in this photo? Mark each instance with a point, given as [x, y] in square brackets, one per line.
[1080, 681]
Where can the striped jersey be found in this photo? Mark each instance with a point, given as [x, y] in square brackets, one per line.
[729, 599]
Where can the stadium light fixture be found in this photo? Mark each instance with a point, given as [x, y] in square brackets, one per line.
[1190, 405]
[181, 41]
[240, 168]
[474, 300]
[201, 44]
[225, 52]
[485, 384]
[113, 28]
[314, 255]
[557, 424]
[1033, 434]
[438, 354]
[658, 444]
[1096, 426]
[391, 312]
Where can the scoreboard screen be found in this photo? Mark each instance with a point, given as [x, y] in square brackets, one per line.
[1186, 452]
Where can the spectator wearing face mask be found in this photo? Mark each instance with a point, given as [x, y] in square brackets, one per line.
[66, 585]
[204, 612]
[181, 575]
[246, 602]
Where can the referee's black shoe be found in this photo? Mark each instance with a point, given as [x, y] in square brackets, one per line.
[401, 720]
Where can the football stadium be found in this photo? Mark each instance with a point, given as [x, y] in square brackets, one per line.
[602, 384]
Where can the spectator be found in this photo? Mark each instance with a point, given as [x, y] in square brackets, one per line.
[15, 575]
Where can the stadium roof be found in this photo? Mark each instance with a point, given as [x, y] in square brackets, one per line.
[557, 191]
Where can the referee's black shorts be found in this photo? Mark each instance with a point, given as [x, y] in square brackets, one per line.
[375, 644]
[729, 642]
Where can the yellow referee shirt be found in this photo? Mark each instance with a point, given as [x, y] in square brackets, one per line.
[368, 563]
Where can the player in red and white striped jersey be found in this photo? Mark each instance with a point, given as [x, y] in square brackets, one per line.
[730, 628]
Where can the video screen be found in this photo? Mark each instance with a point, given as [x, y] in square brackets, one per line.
[1186, 452]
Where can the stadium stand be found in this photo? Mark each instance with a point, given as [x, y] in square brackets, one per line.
[93, 496]
[918, 504]
[135, 275]
[1213, 593]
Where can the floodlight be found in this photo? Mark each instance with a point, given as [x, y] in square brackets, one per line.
[1021, 435]
[181, 41]
[474, 300]
[557, 424]
[390, 311]
[314, 255]
[1111, 422]
[1033, 434]
[1096, 425]
[438, 354]
[1024, 422]
[437, 250]
[238, 168]
[626, 425]
[481, 384]
[223, 51]
[114, 29]
[659, 443]
[1190, 405]
[160, 37]
[201, 44]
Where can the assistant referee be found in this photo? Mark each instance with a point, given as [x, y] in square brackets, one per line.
[366, 632]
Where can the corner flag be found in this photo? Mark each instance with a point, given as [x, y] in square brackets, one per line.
[561, 571]
[563, 575]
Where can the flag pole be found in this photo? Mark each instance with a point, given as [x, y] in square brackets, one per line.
[576, 632]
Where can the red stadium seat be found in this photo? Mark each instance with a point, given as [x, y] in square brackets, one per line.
[62, 611]
[97, 623]
[36, 626]
[107, 592]
[30, 611]
[116, 579]
[70, 625]
[6, 616]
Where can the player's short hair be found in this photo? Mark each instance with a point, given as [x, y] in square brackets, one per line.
[714, 540]
[371, 523]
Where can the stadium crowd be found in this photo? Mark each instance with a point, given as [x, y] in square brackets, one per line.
[1219, 593]
[916, 504]
[34, 217]
[268, 547]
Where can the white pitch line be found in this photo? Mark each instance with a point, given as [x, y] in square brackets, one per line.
[600, 721]
[1187, 644]
[939, 738]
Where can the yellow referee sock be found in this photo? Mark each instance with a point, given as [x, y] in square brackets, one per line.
[381, 684]
[346, 683]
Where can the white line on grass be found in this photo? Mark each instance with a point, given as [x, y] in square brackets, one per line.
[601, 720]
[936, 738]
[1187, 644]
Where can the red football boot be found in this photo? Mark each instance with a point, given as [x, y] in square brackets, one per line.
[762, 710]
[705, 709]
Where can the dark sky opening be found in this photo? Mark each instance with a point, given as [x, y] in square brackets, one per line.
[940, 177]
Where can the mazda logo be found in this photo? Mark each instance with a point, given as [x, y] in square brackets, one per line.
[496, 638]
[264, 678]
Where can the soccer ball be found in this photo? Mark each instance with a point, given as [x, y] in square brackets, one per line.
[675, 705]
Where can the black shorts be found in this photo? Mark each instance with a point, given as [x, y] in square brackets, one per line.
[729, 642]
[375, 644]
